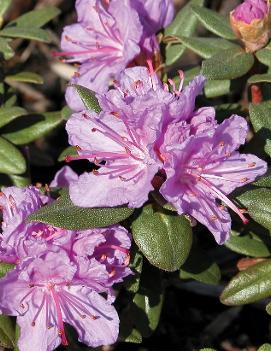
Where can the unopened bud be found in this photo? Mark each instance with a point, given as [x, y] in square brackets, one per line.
[250, 21]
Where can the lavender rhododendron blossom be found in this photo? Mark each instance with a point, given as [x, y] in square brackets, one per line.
[110, 35]
[250, 10]
[136, 140]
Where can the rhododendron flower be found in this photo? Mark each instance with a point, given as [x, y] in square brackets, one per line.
[251, 23]
[203, 170]
[126, 144]
[110, 35]
[47, 291]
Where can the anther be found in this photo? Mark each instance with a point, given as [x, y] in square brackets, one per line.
[221, 143]
[251, 165]
[244, 180]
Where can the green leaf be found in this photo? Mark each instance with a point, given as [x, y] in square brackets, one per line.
[7, 332]
[11, 159]
[4, 5]
[136, 263]
[26, 33]
[264, 181]
[27, 77]
[250, 285]
[248, 245]
[62, 213]
[215, 88]
[20, 180]
[184, 24]
[163, 237]
[206, 47]
[260, 117]
[260, 78]
[199, 266]
[215, 22]
[8, 114]
[258, 203]
[4, 268]
[88, 97]
[265, 347]
[32, 127]
[228, 64]
[69, 151]
[35, 18]
[268, 310]
[264, 55]
[5, 48]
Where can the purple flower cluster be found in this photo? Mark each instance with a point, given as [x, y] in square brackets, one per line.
[59, 274]
[148, 128]
[109, 36]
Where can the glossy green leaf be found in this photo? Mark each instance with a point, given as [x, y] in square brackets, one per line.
[4, 5]
[163, 237]
[260, 78]
[4, 268]
[11, 159]
[215, 88]
[7, 332]
[27, 77]
[248, 245]
[250, 285]
[8, 114]
[69, 151]
[228, 64]
[5, 49]
[215, 22]
[136, 263]
[20, 180]
[32, 127]
[26, 33]
[258, 204]
[88, 97]
[260, 117]
[36, 18]
[184, 24]
[199, 266]
[206, 47]
[264, 55]
[62, 213]
[265, 347]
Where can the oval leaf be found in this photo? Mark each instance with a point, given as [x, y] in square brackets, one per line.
[88, 97]
[27, 77]
[8, 114]
[11, 159]
[264, 55]
[265, 347]
[163, 237]
[7, 332]
[5, 49]
[184, 24]
[63, 214]
[26, 33]
[215, 22]
[215, 88]
[228, 64]
[250, 285]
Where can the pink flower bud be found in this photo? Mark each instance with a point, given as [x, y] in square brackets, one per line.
[250, 21]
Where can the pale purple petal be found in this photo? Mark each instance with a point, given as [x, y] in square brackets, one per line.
[64, 177]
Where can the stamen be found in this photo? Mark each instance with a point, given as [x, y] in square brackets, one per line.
[61, 330]
[38, 311]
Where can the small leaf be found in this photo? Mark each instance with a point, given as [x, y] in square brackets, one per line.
[268, 310]
[35, 18]
[27, 77]
[5, 49]
[258, 203]
[184, 24]
[69, 151]
[88, 97]
[250, 285]
[163, 237]
[4, 5]
[7, 332]
[264, 55]
[260, 78]
[132, 282]
[228, 64]
[213, 21]
[248, 245]
[32, 127]
[63, 214]
[8, 114]
[199, 266]
[206, 47]
[20, 180]
[215, 88]
[265, 347]
[4, 268]
[260, 117]
[26, 33]
[11, 159]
